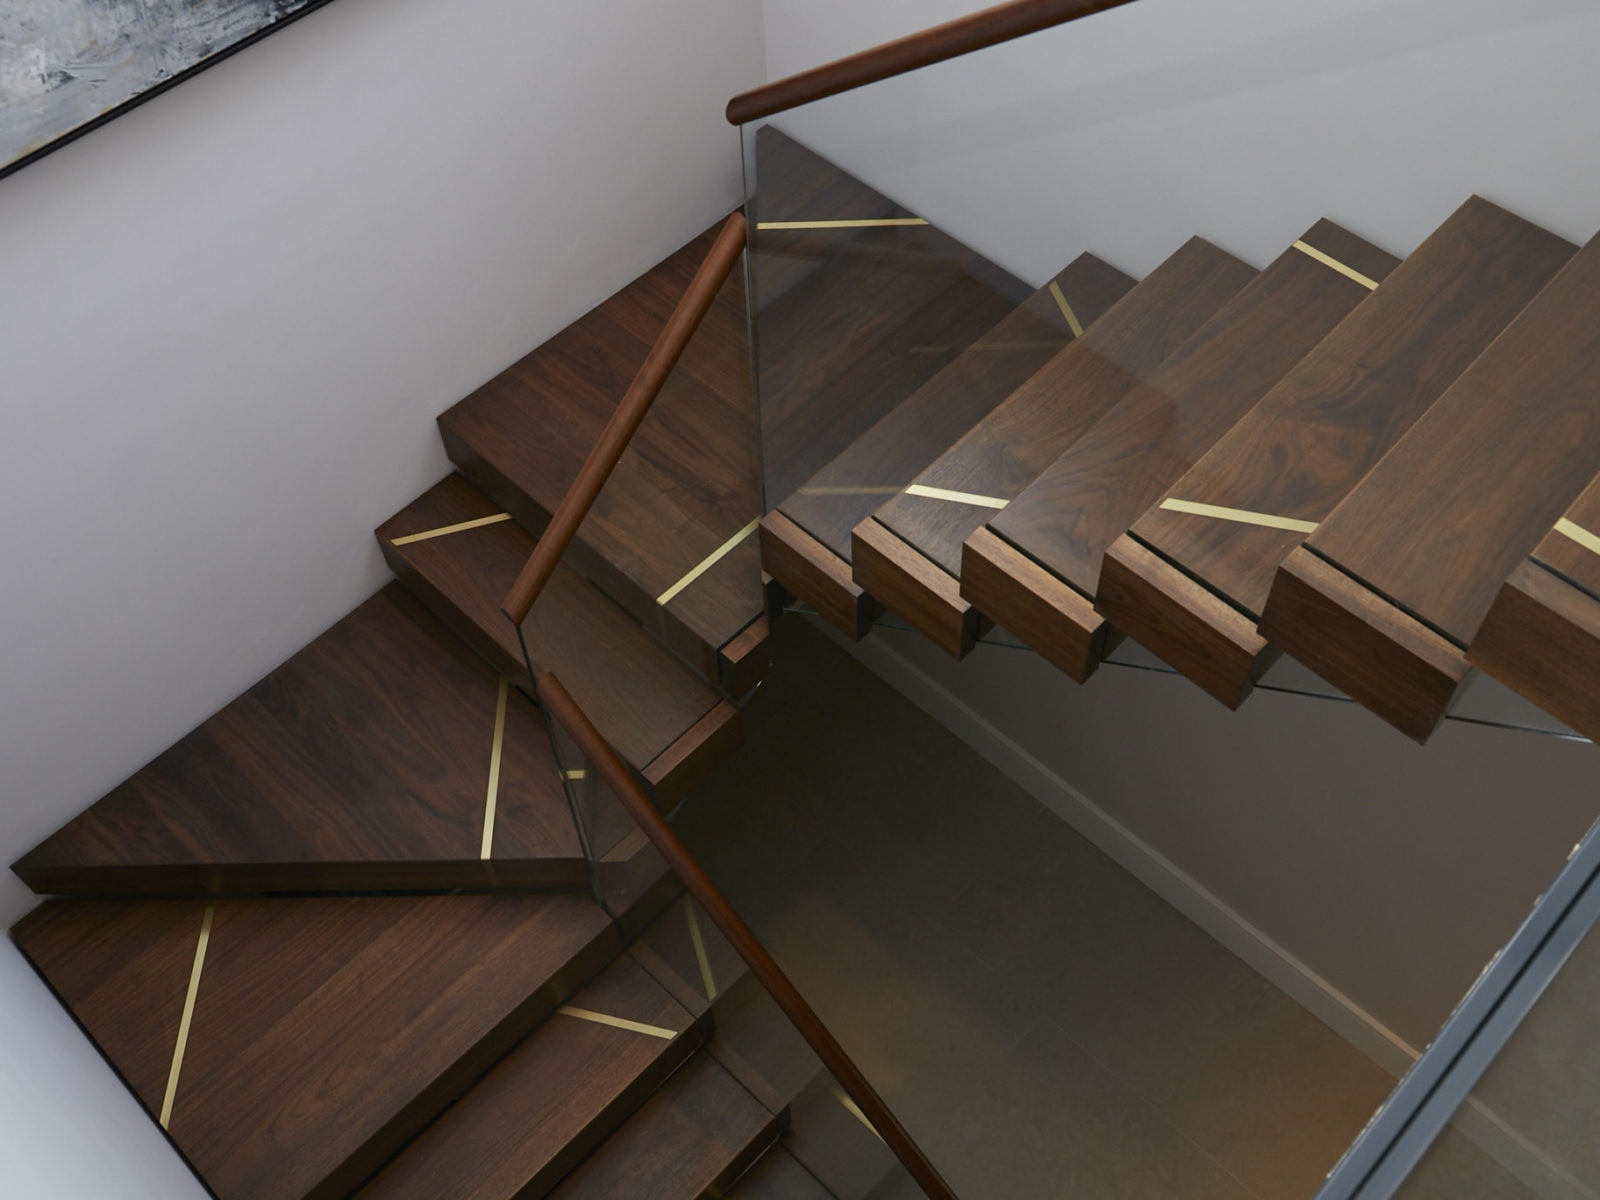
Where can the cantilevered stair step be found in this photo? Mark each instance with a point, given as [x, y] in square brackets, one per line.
[552, 1100]
[291, 1047]
[683, 491]
[659, 715]
[1191, 578]
[805, 545]
[908, 553]
[1541, 636]
[851, 320]
[1035, 567]
[694, 1137]
[1388, 591]
[385, 755]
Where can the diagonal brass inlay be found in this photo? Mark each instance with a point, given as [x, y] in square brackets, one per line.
[707, 563]
[869, 223]
[575, 773]
[933, 493]
[494, 766]
[188, 1015]
[1242, 516]
[1066, 309]
[1579, 534]
[584, 1014]
[1328, 260]
[700, 952]
[446, 529]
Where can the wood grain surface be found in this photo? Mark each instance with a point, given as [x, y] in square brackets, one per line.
[362, 762]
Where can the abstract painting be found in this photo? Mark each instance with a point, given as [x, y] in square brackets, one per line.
[69, 65]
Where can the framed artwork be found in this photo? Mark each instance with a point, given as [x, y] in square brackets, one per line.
[67, 66]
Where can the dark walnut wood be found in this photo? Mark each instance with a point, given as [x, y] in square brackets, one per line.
[851, 321]
[1062, 524]
[987, 27]
[643, 696]
[362, 762]
[689, 479]
[326, 1032]
[1542, 639]
[1022, 436]
[779, 1177]
[1298, 453]
[550, 1102]
[914, 588]
[1429, 536]
[829, 505]
[693, 1138]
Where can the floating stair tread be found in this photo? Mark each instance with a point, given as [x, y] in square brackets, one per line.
[552, 1100]
[689, 481]
[1315, 435]
[852, 320]
[779, 1177]
[362, 762]
[1464, 496]
[1008, 449]
[891, 453]
[1566, 552]
[638, 695]
[694, 1137]
[325, 1032]
[1089, 496]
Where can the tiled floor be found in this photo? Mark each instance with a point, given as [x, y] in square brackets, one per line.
[1043, 1023]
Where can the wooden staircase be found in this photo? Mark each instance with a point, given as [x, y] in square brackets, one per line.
[1343, 455]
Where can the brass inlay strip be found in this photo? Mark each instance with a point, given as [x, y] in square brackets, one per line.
[444, 529]
[707, 563]
[1066, 310]
[1579, 534]
[188, 1015]
[850, 224]
[575, 773]
[1328, 260]
[494, 766]
[1238, 514]
[933, 493]
[854, 1110]
[700, 952]
[583, 1014]
[850, 491]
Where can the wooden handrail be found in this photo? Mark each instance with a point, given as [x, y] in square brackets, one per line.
[988, 27]
[625, 420]
[603, 760]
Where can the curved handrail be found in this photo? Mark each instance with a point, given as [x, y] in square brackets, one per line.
[988, 27]
[624, 423]
[561, 707]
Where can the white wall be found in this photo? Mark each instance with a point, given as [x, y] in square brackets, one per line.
[226, 323]
[1241, 120]
[1369, 877]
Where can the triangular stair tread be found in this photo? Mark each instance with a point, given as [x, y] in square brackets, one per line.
[689, 481]
[902, 301]
[656, 712]
[696, 1135]
[778, 1176]
[807, 546]
[552, 1100]
[303, 1041]
[1429, 535]
[1190, 586]
[1028, 431]
[1066, 519]
[363, 762]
